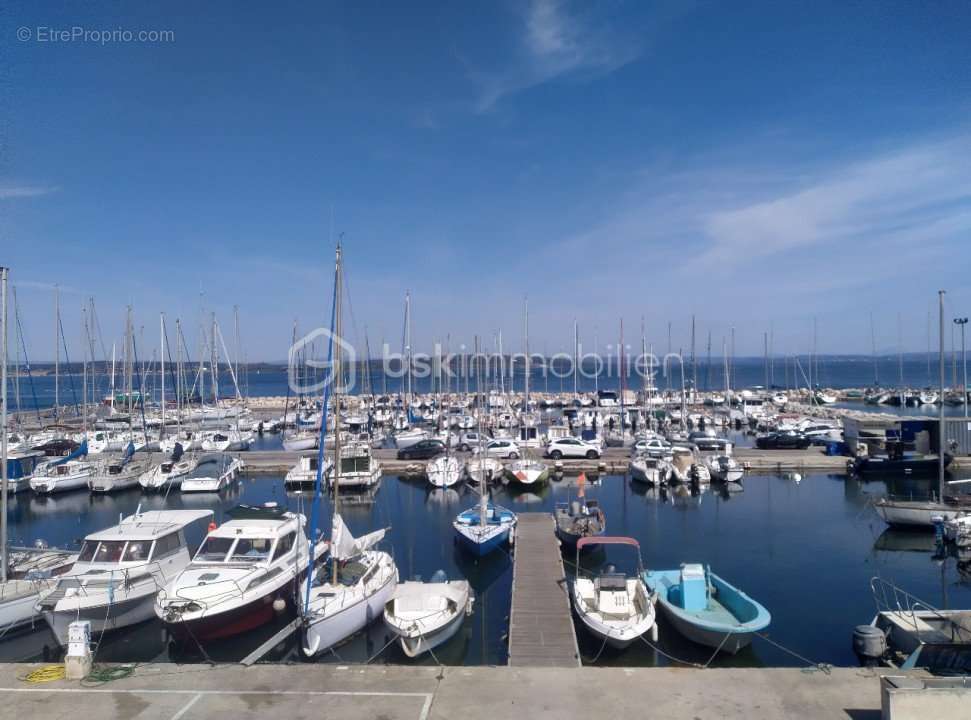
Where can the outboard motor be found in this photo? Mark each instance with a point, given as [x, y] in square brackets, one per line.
[869, 644]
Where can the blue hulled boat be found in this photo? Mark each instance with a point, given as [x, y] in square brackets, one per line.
[483, 528]
[707, 609]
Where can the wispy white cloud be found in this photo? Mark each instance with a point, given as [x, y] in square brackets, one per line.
[9, 192]
[555, 42]
[769, 237]
[920, 190]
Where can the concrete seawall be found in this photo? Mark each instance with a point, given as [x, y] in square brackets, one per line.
[186, 692]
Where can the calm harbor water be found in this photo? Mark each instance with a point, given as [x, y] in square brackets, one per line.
[805, 550]
[834, 372]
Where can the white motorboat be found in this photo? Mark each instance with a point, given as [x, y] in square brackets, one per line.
[119, 571]
[213, 473]
[168, 473]
[227, 441]
[918, 513]
[958, 530]
[646, 469]
[303, 440]
[358, 467]
[61, 476]
[615, 607]
[346, 595]
[246, 570]
[527, 471]
[425, 615]
[20, 467]
[443, 471]
[407, 438]
[31, 572]
[725, 468]
[304, 472]
[488, 467]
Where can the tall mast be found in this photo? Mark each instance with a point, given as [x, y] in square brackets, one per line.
[57, 352]
[214, 364]
[694, 363]
[873, 347]
[526, 344]
[335, 380]
[407, 339]
[940, 408]
[576, 356]
[161, 322]
[3, 426]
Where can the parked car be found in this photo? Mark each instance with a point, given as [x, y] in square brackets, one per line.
[709, 443]
[570, 447]
[501, 448]
[422, 450]
[655, 448]
[468, 440]
[783, 441]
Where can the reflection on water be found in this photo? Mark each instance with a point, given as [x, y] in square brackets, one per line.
[805, 550]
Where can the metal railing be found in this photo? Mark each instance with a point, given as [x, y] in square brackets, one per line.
[889, 597]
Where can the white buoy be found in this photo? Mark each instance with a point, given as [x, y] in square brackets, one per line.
[279, 605]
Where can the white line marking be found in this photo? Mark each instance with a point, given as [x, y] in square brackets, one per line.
[185, 708]
[198, 694]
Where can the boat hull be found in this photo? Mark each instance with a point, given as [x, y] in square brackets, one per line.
[915, 513]
[486, 545]
[235, 621]
[103, 618]
[324, 634]
[420, 644]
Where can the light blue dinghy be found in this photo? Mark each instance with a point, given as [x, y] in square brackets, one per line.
[706, 609]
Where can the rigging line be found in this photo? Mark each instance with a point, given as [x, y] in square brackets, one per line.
[23, 345]
[315, 511]
[74, 395]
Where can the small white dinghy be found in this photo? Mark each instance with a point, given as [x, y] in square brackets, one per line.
[615, 607]
[425, 615]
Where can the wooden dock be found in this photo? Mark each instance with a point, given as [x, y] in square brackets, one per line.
[541, 630]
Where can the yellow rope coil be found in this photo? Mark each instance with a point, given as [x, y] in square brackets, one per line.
[48, 673]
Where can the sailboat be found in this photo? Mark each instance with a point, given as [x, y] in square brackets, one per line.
[527, 471]
[925, 513]
[485, 527]
[345, 595]
[18, 594]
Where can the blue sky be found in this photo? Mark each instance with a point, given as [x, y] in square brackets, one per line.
[756, 164]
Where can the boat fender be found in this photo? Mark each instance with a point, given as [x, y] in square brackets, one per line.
[212, 525]
[869, 644]
[279, 605]
[654, 633]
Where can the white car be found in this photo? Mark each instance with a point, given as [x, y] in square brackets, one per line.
[570, 447]
[655, 448]
[469, 440]
[501, 448]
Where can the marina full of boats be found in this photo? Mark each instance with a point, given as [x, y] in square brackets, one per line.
[482, 456]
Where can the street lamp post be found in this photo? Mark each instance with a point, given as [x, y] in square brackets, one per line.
[964, 362]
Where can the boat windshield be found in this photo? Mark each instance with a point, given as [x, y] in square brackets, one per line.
[109, 551]
[214, 549]
[87, 551]
[252, 550]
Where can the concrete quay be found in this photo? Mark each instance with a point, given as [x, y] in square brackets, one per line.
[190, 692]
[613, 462]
